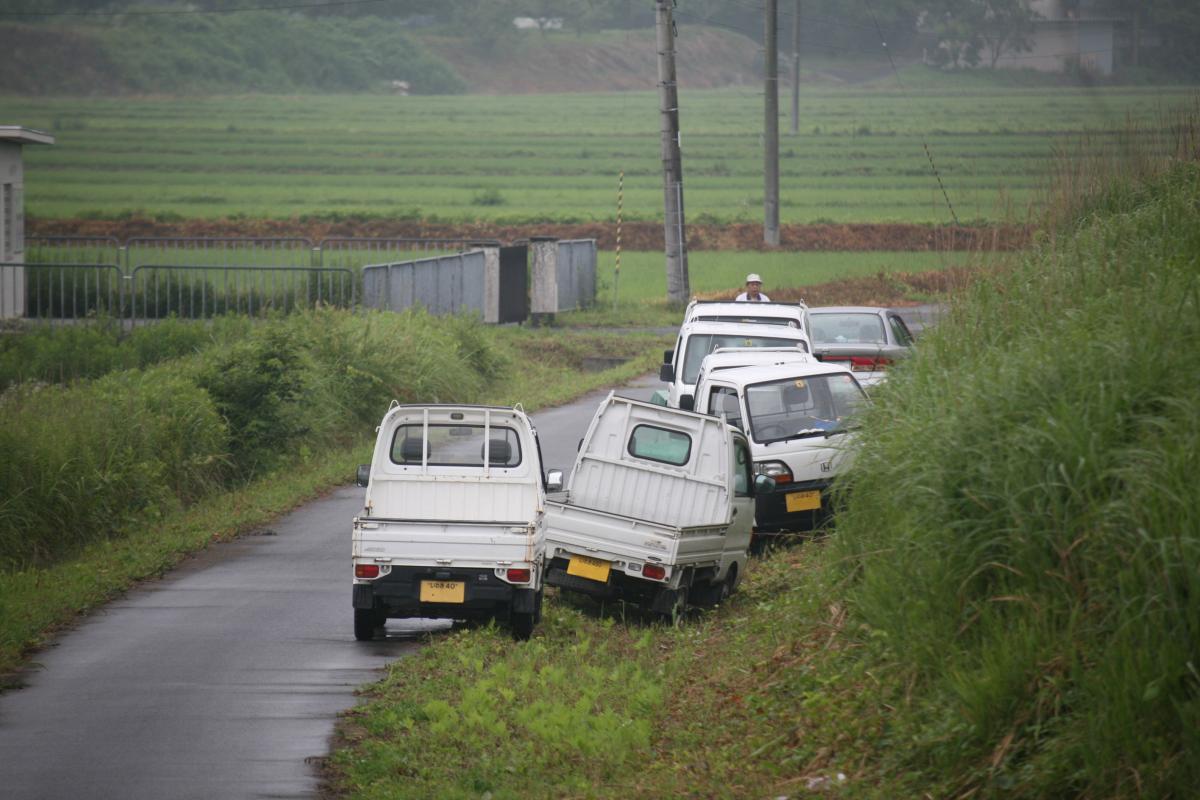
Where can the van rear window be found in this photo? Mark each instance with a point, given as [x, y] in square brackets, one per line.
[660, 444]
[456, 446]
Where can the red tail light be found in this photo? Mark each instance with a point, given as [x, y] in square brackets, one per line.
[366, 570]
[518, 576]
[654, 572]
[866, 364]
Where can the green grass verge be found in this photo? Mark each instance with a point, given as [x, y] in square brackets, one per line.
[1008, 608]
[860, 155]
[542, 368]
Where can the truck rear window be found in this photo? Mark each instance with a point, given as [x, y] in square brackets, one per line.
[456, 446]
[659, 444]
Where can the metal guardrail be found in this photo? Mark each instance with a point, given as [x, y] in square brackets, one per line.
[291, 251]
[60, 291]
[73, 249]
[356, 252]
[151, 278]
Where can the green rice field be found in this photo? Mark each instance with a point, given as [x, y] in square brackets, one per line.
[859, 156]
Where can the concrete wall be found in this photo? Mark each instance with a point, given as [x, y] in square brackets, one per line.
[12, 231]
[1057, 43]
[443, 285]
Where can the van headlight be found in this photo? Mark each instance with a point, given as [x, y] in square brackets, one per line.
[774, 469]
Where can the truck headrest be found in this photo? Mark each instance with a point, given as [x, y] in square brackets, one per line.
[499, 451]
[410, 450]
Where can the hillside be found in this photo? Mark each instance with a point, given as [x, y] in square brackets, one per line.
[250, 52]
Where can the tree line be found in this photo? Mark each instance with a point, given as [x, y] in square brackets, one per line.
[952, 33]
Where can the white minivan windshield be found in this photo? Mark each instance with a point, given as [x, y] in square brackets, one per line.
[701, 344]
[796, 407]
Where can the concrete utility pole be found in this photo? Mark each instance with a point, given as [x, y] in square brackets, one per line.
[678, 285]
[796, 70]
[771, 130]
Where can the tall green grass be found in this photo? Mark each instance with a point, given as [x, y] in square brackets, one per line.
[81, 460]
[1022, 531]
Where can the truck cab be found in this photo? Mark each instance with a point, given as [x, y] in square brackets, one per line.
[681, 366]
[451, 525]
[798, 417]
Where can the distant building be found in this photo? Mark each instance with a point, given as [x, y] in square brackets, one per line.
[538, 23]
[12, 215]
[1071, 35]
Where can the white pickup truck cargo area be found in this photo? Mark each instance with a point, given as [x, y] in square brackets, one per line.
[658, 509]
[451, 523]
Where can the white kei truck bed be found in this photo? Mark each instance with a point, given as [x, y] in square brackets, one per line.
[451, 522]
[658, 510]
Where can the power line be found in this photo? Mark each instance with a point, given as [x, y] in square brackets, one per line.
[924, 142]
[177, 12]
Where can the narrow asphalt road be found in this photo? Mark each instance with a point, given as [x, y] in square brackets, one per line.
[223, 679]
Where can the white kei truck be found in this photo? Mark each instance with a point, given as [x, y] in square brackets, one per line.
[451, 525]
[657, 511]
[798, 415]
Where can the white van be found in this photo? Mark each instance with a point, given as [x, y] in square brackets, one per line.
[451, 525]
[793, 315]
[658, 510]
[797, 417]
[681, 366]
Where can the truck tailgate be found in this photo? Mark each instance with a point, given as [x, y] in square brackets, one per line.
[614, 537]
[464, 544]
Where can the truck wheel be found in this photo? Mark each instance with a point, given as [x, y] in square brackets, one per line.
[366, 620]
[522, 626]
[673, 613]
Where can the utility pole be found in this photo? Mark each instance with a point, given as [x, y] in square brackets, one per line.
[771, 130]
[796, 70]
[678, 285]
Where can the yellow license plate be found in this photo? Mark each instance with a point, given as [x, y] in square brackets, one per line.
[591, 568]
[803, 501]
[443, 591]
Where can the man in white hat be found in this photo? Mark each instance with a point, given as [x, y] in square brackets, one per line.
[753, 293]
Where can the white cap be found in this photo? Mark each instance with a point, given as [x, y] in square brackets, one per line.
[753, 278]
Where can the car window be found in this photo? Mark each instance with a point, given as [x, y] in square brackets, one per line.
[848, 328]
[798, 407]
[660, 444]
[742, 478]
[900, 331]
[701, 344]
[456, 446]
[724, 400]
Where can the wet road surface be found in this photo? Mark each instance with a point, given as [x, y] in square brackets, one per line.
[223, 679]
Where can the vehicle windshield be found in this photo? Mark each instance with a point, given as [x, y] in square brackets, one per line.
[797, 407]
[848, 328]
[701, 344]
[788, 322]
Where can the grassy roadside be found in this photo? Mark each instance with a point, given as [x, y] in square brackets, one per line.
[38, 600]
[1008, 608]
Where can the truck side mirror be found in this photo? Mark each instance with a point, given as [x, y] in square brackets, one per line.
[764, 484]
[668, 356]
[554, 480]
[687, 402]
[666, 373]
[363, 476]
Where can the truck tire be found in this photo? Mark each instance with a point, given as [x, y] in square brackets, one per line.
[715, 592]
[523, 623]
[671, 605]
[366, 620]
[522, 626]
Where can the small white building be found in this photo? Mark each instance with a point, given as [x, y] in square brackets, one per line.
[12, 215]
[1069, 35]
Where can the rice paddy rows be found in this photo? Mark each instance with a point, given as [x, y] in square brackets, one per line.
[859, 156]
